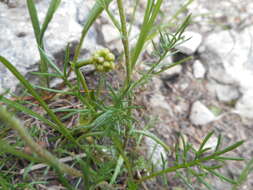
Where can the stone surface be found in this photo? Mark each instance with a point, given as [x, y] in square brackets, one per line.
[159, 105]
[193, 42]
[232, 64]
[199, 70]
[226, 93]
[200, 114]
[17, 42]
[110, 33]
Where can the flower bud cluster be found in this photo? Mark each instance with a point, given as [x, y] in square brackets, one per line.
[103, 60]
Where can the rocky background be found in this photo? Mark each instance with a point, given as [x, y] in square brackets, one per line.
[213, 92]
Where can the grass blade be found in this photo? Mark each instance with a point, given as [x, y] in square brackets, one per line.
[34, 18]
[96, 10]
[50, 12]
[47, 60]
[117, 169]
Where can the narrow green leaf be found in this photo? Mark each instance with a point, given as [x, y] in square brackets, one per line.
[53, 90]
[46, 74]
[117, 169]
[228, 158]
[34, 18]
[218, 143]
[94, 13]
[204, 143]
[54, 4]
[228, 149]
[47, 60]
[222, 177]
[66, 60]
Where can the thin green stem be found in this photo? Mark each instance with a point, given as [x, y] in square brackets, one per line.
[125, 39]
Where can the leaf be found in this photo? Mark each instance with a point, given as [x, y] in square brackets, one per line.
[47, 60]
[46, 74]
[34, 18]
[54, 4]
[117, 169]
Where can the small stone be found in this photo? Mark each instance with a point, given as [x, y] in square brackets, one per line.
[110, 33]
[200, 114]
[199, 70]
[159, 105]
[226, 93]
[190, 46]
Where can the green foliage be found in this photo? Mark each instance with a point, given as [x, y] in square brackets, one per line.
[106, 133]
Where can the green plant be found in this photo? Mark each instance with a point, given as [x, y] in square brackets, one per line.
[106, 134]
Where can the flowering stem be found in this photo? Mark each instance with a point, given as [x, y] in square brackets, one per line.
[125, 40]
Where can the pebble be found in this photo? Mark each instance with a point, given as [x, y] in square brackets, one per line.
[200, 114]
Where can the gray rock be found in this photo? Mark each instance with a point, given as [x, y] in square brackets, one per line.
[200, 114]
[190, 46]
[110, 33]
[199, 70]
[230, 62]
[159, 105]
[17, 42]
[226, 93]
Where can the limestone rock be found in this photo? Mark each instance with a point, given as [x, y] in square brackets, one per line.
[199, 70]
[190, 46]
[200, 114]
[231, 63]
[226, 93]
[17, 41]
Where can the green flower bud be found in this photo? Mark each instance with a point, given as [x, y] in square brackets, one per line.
[110, 57]
[107, 64]
[100, 68]
[103, 60]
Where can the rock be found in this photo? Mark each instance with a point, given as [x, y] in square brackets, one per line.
[17, 39]
[199, 70]
[110, 33]
[159, 105]
[190, 46]
[230, 62]
[200, 114]
[244, 105]
[155, 152]
[226, 93]
[112, 36]
[173, 70]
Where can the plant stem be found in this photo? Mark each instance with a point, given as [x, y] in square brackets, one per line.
[125, 40]
[7, 118]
